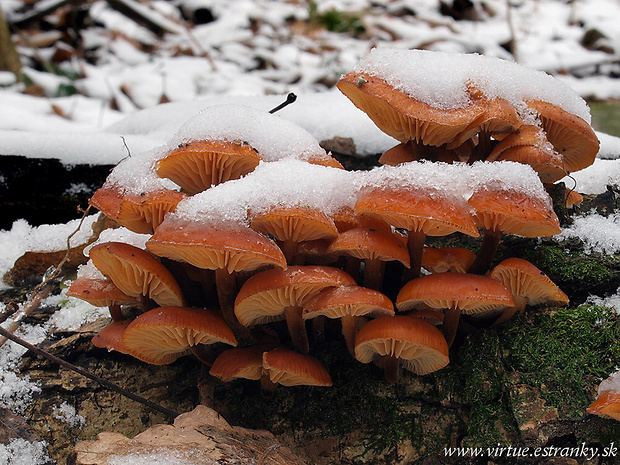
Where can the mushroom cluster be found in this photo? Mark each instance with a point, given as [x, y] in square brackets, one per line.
[243, 221]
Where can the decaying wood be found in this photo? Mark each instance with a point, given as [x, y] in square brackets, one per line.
[201, 435]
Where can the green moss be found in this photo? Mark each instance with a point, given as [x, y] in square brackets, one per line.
[571, 265]
[336, 21]
[564, 353]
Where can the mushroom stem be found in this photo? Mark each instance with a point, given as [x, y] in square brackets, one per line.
[353, 266]
[289, 248]
[115, 312]
[318, 329]
[451, 319]
[490, 242]
[203, 353]
[349, 331]
[391, 365]
[297, 328]
[518, 307]
[415, 245]
[266, 384]
[373, 273]
[226, 293]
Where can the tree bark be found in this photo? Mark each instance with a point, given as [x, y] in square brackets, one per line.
[9, 58]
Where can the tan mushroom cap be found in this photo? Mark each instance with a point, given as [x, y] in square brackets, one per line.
[290, 368]
[265, 296]
[229, 247]
[525, 281]
[529, 145]
[345, 218]
[572, 198]
[371, 244]
[606, 405]
[99, 292]
[240, 362]
[294, 223]
[571, 136]
[416, 210]
[419, 345]
[513, 212]
[442, 259]
[402, 116]
[415, 151]
[342, 301]
[200, 164]
[471, 294]
[324, 159]
[499, 119]
[137, 272]
[162, 335]
[111, 337]
[140, 213]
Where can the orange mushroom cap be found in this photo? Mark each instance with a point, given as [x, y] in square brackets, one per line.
[607, 403]
[290, 368]
[513, 212]
[419, 345]
[571, 136]
[140, 213]
[470, 293]
[416, 210]
[200, 164]
[111, 337]
[525, 281]
[162, 335]
[99, 292]
[336, 302]
[240, 362]
[402, 116]
[442, 259]
[371, 244]
[137, 272]
[232, 247]
[294, 223]
[264, 296]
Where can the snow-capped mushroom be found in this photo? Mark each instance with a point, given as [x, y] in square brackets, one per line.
[421, 212]
[200, 164]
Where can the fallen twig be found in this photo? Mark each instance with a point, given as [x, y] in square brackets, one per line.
[88, 374]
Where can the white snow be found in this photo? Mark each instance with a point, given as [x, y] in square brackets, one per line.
[68, 414]
[251, 55]
[443, 79]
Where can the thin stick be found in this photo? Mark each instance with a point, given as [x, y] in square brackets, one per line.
[290, 98]
[88, 374]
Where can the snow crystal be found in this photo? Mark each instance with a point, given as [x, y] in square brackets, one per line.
[119, 235]
[595, 178]
[160, 456]
[440, 79]
[610, 384]
[612, 301]
[136, 173]
[73, 312]
[598, 233]
[610, 146]
[23, 237]
[68, 414]
[21, 452]
[274, 137]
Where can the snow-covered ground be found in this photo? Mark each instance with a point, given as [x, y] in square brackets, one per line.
[254, 53]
